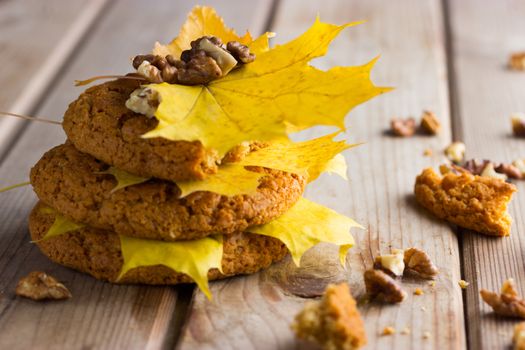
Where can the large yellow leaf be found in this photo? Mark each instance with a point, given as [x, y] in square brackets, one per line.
[193, 258]
[307, 224]
[308, 158]
[60, 226]
[202, 21]
[276, 93]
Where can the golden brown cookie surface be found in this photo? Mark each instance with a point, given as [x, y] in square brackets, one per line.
[97, 252]
[98, 123]
[473, 202]
[67, 180]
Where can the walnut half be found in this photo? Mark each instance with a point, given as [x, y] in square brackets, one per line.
[507, 303]
[39, 286]
[382, 287]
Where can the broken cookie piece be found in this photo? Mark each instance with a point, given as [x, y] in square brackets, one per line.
[469, 201]
[381, 287]
[507, 303]
[39, 286]
[333, 322]
[518, 339]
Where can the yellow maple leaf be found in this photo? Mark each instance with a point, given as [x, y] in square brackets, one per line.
[308, 158]
[193, 258]
[267, 98]
[307, 224]
[60, 226]
[202, 21]
[124, 179]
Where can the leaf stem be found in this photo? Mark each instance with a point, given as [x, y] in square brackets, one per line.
[5, 189]
[49, 121]
[100, 77]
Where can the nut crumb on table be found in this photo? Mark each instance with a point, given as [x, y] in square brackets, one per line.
[507, 302]
[469, 201]
[40, 286]
[518, 339]
[456, 151]
[517, 61]
[463, 284]
[333, 322]
[381, 287]
[393, 263]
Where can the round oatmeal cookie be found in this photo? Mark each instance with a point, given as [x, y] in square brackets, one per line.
[70, 181]
[98, 123]
[97, 252]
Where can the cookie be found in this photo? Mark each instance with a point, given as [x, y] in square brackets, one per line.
[469, 201]
[97, 252]
[67, 180]
[98, 123]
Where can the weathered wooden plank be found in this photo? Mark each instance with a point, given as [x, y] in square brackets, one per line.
[483, 36]
[256, 311]
[37, 40]
[100, 315]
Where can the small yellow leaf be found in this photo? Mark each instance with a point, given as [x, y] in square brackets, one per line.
[124, 179]
[307, 224]
[309, 158]
[60, 226]
[230, 180]
[265, 99]
[193, 258]
[202, 21]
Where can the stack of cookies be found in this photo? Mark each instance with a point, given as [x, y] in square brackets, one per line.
[73, 181]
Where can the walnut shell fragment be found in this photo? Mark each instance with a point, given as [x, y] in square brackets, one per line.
[507, 303]
[40, 286]
[381, 287]
[418, 263]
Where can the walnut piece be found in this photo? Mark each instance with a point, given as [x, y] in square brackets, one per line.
[518, 124]
[144, 101]
[517, 61]
[418, 263]
[489, 171]
[455, 152]
[39, 286]
[201, 69]
[225, 60]
[509, 170]
[333, 322]
[403, 127]
[430, 123]
[240, 52]
[507, 303]
[475, 166]
[391, 263]
[382, 287]
[519, 336]
[520, 165]
[150, 72]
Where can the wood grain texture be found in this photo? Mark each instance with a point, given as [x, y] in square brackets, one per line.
[255, 312]
[483, 35]
[37, 40]
[100, 315]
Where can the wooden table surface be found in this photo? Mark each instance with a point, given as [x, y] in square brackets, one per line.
[446, 56]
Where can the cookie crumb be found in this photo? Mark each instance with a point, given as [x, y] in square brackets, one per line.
[426, 335]
[333, 322]
[463, 284]
[517, 61]
[39, 285]
[469, 201]
[388, 331]
[418, 291]
[430, 123]
[427, 152]
[518, 339]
